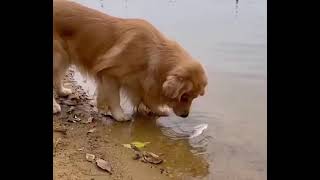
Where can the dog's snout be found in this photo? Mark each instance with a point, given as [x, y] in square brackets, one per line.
[184, 115]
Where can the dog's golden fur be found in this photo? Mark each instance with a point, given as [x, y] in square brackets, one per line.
[123, 53]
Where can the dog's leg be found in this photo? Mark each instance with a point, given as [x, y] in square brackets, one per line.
[60, 66]
[101, 100]
[109, 96]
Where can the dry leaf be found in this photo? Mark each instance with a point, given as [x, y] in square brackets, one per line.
[146, 157]
[90, 157]
[151, 157]
[104, 165]
[136, 144]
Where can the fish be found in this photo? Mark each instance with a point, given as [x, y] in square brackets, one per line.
[198, 130]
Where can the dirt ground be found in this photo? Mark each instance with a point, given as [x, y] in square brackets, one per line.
[72, 141]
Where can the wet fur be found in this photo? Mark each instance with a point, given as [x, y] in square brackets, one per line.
[123, 53]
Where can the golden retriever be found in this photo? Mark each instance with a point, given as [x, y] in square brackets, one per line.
[128, 54]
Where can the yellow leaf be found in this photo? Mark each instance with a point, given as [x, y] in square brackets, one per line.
[140, 144]
[137, 144]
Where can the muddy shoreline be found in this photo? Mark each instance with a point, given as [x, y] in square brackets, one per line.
[72, 141]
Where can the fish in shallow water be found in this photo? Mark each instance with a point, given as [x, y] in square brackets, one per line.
[198, 130]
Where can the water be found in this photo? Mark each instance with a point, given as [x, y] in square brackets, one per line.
[230, 38]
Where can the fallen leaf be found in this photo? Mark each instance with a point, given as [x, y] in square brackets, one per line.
[140, 144]
[136, 144]
[151, 157]
[90, 157]
[146, 157]
[104, 165]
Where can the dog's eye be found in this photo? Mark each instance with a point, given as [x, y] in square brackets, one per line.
[184, 98]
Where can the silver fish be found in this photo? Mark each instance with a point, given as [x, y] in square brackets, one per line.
[198, 130]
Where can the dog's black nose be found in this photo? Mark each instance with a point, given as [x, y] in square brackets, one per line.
[184, 115]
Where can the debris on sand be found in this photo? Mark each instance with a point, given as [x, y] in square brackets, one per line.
[104, 165]
[90, 157]
[151, 157]
[144, 156]
[76, 118]
[92, 130]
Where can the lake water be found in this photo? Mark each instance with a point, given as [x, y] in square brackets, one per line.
[229, 38]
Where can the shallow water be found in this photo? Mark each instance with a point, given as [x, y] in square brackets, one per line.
[230, 39]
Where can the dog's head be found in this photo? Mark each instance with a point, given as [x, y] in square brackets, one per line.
[182, 85]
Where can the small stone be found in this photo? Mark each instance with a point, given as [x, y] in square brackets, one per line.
[76, 118]
[90, 157]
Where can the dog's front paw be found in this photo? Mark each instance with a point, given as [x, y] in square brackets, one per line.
[56, 108]
[122, 117]
[64, 92]
[143, 109]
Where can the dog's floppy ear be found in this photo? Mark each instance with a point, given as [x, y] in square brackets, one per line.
[173, 87]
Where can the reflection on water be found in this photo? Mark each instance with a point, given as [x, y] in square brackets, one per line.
[237, 7]
[233, 50]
